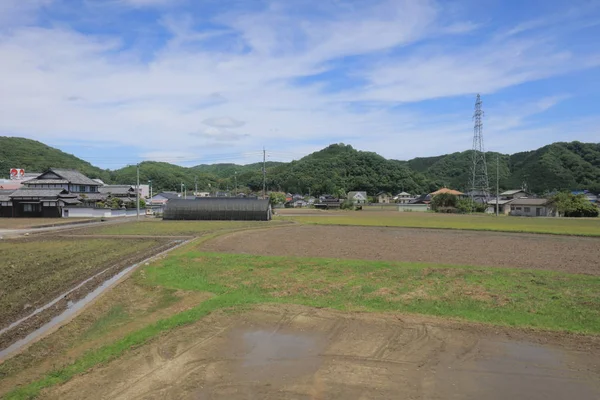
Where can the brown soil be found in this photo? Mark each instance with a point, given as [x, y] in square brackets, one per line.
[293, 352]
[38, 320]
[514, 250]
[140, 304]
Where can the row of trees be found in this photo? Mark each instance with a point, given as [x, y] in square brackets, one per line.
[567, 204]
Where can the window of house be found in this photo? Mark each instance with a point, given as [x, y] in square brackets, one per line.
[527, 209]
[518, 208]
[512, 208]
[29, 207]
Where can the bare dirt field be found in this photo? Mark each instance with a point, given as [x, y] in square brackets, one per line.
[514, 250]
[38, 269]
[293, 352]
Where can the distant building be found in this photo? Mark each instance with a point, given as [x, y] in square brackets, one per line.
[514, 194]
[384, 198]
[446, 190]
[403, 198]
[358, 197]
[125, 192]
[503, 206]
[202, 194]
[422, 199]
[591, 197]
[532, 208]
[163, 197]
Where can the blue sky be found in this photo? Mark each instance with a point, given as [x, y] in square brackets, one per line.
[189, 82]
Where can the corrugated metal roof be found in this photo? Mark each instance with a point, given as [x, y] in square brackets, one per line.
[500, 202]
[511, 192]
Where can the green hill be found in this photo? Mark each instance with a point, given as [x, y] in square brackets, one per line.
[34, 156]
[338, 167]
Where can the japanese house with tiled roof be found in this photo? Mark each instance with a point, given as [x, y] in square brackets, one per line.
[46, 195]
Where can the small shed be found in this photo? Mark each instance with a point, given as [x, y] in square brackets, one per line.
[218, 208]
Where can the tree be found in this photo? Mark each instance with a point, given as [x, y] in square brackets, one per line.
[468, 205]
[570, 205]
[276, 198]
[443, 200]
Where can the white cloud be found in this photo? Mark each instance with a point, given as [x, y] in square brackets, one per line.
[224, 122]
[58, 83]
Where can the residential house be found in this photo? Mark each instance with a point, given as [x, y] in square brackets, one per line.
[422, 199]
[123, 192]
[33, 202]
[478, 196]
[503, 206]
[403, 198]
[162, 198]
[6, 209]
[532, 208]
[47, 194]
[384, 198]
[514, 194]
[328, 202]
[202, 194]
[592, 198]
[358, 197]
[446, 190]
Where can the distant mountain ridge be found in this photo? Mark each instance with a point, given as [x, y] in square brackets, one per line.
[337, 168]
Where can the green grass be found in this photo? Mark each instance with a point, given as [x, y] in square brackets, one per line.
[522, 298]
[558, 226]
[174, 228]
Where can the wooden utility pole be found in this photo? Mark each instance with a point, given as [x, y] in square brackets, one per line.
[497, 183]
[264, 173]
[137, 192]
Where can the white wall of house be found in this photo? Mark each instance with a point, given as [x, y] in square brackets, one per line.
[89, 212]
[531, 211]
[413, 207]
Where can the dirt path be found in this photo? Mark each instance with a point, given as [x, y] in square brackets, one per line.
[513, 250]
[294, 352]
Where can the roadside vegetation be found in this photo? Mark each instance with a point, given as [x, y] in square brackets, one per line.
[557, 226]
[24, 223]
[519, 298]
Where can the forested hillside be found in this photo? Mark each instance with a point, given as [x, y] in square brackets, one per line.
[338, 167]
[35, 156]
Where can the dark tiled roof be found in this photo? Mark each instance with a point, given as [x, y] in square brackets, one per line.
[34, 192]
[168, 195]
[5, 195]
[92, 196]
[45, 181]
[116, 189]
[71, 201]
[74, 177]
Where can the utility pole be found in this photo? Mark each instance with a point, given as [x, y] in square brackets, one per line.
[264, 173]
[497, 183]
[235, 178]
[196, 185]
[137, 192]
[150, 184]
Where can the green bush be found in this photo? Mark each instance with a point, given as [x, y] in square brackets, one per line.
[443, 200]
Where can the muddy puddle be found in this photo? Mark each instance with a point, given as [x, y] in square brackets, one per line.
[63, 308]
[300, 353]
